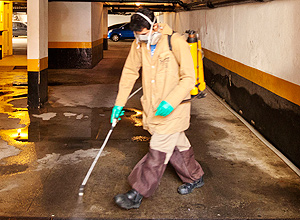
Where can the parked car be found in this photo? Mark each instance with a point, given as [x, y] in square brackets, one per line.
[116, 26]
[19, 29]
[121, 33]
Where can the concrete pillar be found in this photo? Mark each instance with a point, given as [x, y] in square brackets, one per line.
[37, 52]
[75, 34]
[105, 28]
[97, 32]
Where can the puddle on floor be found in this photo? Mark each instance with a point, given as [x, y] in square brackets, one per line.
[140, 138]
[136, 116]
[72, 128]
[18, 151]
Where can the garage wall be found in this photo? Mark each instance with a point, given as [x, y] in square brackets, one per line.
[116, 19]
[98, 29]
[75, 34]
[252, 60]
[69, 22]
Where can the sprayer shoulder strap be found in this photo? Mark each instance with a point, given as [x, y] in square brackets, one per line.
[169, 40]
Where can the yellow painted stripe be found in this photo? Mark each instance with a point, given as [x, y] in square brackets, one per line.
[97, 42]
[70, 45]
[37, 65]
[280, 87]
[75, 44]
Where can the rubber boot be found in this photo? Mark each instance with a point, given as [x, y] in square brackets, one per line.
[130, 200]
[189, 187]
[188, 169]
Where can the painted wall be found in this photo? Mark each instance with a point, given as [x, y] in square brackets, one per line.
[160, 18]
[116, 19]
[75, 21]
[97, 21]
[269, 32]
[252, 60]
[75, 34]
[70, 22]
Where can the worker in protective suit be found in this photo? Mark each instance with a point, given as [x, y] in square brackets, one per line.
[167, 79]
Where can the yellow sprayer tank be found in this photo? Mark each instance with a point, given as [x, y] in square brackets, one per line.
[196, 52]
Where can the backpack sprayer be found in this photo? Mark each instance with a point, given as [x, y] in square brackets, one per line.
[196, 52]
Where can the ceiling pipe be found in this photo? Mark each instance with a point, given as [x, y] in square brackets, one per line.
[124, 1]
[124, 11]
[156, 9]
[201, 4]
[140, 6]
[134, 8]
[204, 4]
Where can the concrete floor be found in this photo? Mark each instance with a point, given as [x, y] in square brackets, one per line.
[19, 58]
[43, 164]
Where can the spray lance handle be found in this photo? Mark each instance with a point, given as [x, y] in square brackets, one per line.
[114, 123]
[116, 114]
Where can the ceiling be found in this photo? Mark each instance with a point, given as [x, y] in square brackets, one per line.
[124, 6]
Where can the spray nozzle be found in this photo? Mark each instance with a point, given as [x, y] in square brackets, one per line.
[190, 31]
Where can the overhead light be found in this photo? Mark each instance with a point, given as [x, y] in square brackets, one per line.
[138, 4]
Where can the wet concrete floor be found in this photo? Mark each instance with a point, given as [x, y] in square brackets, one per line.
[45, 154]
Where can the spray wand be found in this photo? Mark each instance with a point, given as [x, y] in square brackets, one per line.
[113, 125]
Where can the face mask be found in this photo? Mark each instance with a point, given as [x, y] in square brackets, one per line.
[154, 38]
[141, 38]
[150, 39]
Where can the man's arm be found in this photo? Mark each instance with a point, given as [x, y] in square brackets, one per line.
[130, 74]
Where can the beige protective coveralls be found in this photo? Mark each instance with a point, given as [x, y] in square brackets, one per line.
[169, 76]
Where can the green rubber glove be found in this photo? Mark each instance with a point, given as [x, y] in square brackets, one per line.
[164, 109]
[116, 113]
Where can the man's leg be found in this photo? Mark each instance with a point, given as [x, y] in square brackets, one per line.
[187, 168]
[146, 175]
